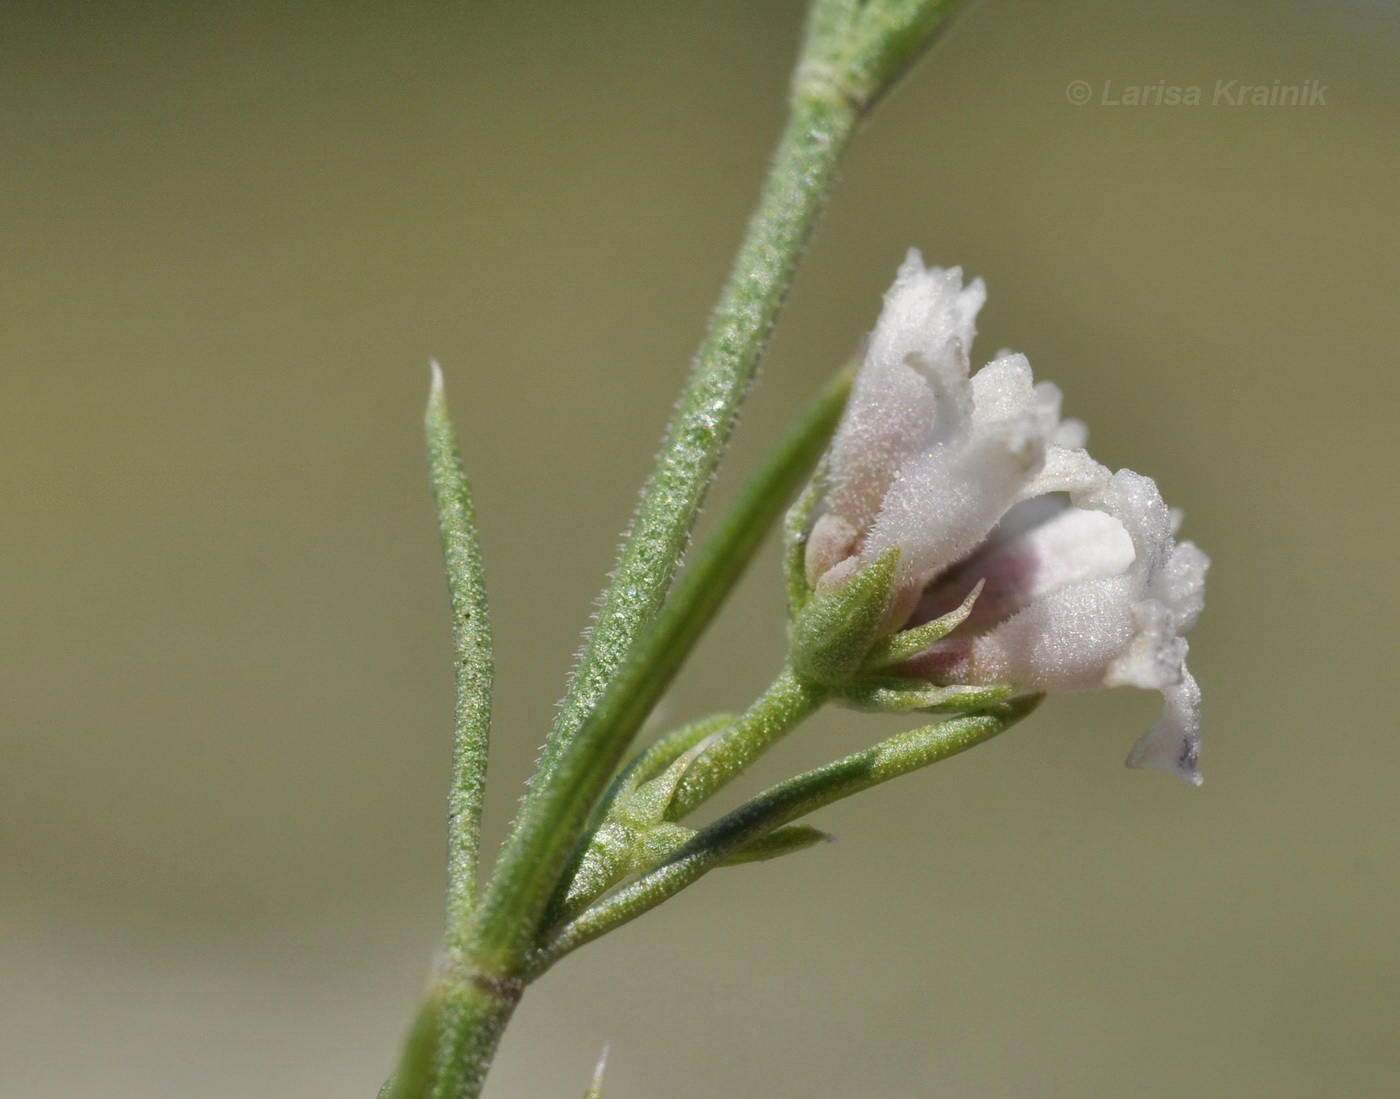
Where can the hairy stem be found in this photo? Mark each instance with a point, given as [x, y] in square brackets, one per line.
[708, 579]
[453, 1040]
[783, 706]
[580, 758]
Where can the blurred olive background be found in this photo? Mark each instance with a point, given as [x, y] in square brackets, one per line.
[234, 234]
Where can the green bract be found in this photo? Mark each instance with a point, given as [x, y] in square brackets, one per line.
[831, 636]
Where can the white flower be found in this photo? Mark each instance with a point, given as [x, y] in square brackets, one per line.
[977, 479]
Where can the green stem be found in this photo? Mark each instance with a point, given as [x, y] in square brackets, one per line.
[783, 706]
[578, 760]
[471, 635]
[611, 852]
[697, 597]
[716, 568]
[454, 1038]
[780, 805]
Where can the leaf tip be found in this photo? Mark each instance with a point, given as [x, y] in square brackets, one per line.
[595, 1089]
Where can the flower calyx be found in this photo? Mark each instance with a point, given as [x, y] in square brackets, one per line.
[841, 640]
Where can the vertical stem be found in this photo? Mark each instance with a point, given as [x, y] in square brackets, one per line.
[454, 1038]
[579, 759]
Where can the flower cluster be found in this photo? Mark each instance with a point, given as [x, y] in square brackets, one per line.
[963, 479]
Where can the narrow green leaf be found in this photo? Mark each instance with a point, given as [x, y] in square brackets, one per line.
[780, 805]
[471, 635]
[414, 1074]
[776, 844]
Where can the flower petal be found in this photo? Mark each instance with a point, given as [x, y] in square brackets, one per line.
[1173, 743]
[912, 381]
[1069, 544]
[948, 497]
[1135, 501]
[1064, 641]
[928, 314]
[832, 541]
[1067, 470]
[946, 500]
[1182, 585]
[889, 417]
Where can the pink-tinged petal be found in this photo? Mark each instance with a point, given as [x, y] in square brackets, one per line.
[1062, 642]
[944, 662]
[832, 541]
[836, 576]
[1068, 545]
[948, 497]
[912, 385]
[1173, 743]
[946, 500]
[1076, 545]
[889, 417]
